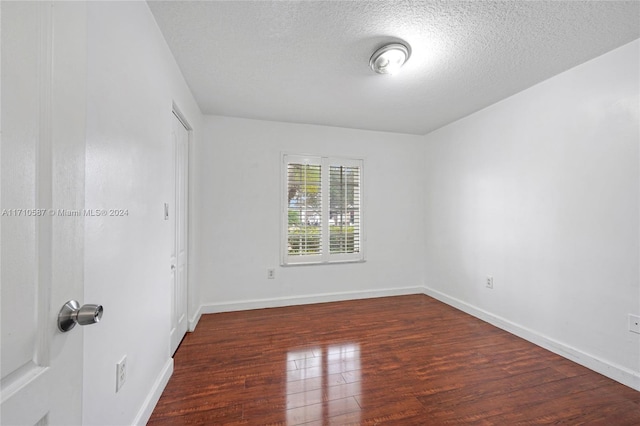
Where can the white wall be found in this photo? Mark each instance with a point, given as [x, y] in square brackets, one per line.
[239, 189]
[131, 84]
[541, 191]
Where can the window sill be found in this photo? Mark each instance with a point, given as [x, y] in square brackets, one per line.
[335, 262]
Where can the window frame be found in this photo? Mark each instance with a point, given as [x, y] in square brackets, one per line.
[325, 256]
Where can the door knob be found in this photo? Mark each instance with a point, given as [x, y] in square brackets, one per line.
[72, 314]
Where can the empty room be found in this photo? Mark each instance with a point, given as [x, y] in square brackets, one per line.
[320, 212]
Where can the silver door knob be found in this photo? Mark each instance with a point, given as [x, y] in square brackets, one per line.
[72, 314]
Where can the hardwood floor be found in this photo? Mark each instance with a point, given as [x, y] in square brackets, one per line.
[407, 360]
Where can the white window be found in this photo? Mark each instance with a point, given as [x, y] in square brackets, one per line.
[322, 212]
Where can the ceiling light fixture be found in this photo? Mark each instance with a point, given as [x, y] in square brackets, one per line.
[390, 58]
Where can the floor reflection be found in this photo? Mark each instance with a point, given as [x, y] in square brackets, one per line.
[322, 383]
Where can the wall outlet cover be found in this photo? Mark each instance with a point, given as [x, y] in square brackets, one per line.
[489, 283]
[634, 323]
[121, 373]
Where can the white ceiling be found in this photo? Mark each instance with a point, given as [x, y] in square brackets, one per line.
[308, 61]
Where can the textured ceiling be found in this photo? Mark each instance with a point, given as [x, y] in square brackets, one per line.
[308, 61]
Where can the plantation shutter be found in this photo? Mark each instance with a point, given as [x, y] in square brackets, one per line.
[323, 221]
[304, 208]
[344, 214]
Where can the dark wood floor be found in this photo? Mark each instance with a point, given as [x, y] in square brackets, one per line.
[407, 360]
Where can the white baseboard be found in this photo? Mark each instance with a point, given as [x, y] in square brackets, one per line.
[616, 372]
[193, 321]
[144, 414]
[305, 300]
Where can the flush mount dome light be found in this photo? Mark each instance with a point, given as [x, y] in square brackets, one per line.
[389, 58]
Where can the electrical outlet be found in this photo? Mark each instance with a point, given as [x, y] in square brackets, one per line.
[121, 373]
[271, 274]
[634, 323]
[489, 283]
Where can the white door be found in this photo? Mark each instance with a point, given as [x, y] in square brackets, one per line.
[180, 136]
[43, 75]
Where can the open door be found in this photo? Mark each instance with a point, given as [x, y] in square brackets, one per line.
[43, 78]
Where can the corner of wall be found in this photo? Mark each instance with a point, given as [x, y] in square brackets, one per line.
[195, 319]
[615, 372]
